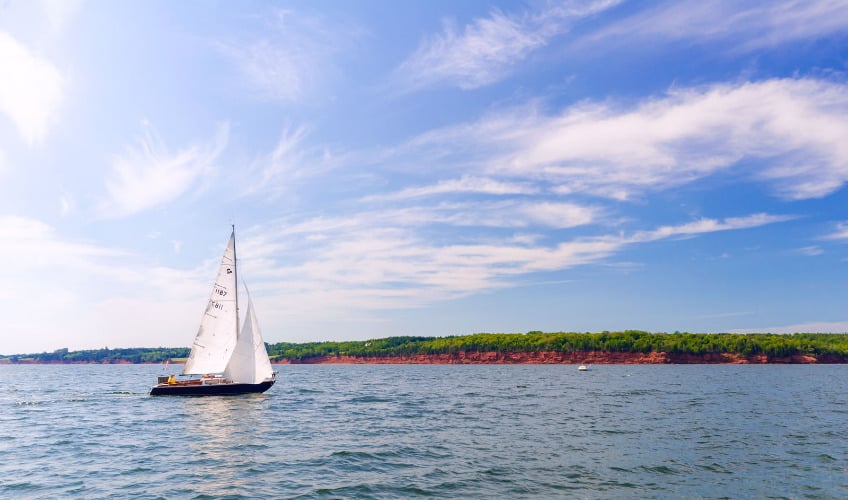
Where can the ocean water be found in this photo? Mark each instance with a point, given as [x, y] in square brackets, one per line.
[442, 431]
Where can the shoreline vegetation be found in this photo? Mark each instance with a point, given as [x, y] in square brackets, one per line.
[626, 347]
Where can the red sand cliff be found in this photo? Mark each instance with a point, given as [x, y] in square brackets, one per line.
[625, 358]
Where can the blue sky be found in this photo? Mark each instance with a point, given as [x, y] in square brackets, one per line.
[422, 168]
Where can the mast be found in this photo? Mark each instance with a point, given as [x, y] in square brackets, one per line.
[235, 270]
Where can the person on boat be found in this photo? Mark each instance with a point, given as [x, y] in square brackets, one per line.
[171, 379]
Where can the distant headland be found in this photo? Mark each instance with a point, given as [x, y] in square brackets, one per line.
[625, 347]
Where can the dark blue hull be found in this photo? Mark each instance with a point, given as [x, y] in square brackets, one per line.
[209, 390]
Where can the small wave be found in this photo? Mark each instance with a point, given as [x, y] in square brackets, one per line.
[355, 491]
[19, 487]
[636, 392]
[370, 399]
[619, 484]
[612, 432]
[716, 468]
[352, 454]
[620, 469]
[251, 446]
[660, 469]
[30, 403]
[412, 490]
[139, 470]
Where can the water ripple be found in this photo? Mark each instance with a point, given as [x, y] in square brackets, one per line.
[430, 431]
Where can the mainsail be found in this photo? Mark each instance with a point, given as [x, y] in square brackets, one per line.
[217, 337]
[249, 363]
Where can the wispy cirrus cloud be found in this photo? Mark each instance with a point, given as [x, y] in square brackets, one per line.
[467, 184]
[150, 174]
[31, 89]
[788, 133]
[488, 49]
[840, 232]
[485, 214]
[745, 26]
[292, 162]
[292, 59]
[357, 262]
[707, 225]
[275, 72]
[810, 251]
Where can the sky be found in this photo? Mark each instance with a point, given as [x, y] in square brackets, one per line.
[421, 167]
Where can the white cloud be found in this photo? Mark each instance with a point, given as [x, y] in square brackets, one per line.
[291, 165]
[810, 251]
[789, 133]
[705, 225]
[556, 214]
[503, 214]
[31, 244]
[46, 277]
[369, 264]
[364, 266]
[466, 184]
[66, 205]
[487, 49]
[30, 89]
[276, 72]
[294, 60]
[288, 163]
[841, 232]
[150, 175]
[746, 25]
[81, 295]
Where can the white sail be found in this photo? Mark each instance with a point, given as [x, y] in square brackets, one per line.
[217, 335]
[249, 363]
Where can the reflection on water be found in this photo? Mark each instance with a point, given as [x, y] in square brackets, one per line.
[223, 436]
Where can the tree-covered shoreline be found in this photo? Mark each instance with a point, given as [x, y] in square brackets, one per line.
[630, 341]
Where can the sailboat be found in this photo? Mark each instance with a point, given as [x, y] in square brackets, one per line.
[224, 360]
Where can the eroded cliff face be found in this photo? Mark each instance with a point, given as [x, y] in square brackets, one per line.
[621, 358]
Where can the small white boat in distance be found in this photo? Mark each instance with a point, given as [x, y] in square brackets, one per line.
[583, 368]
